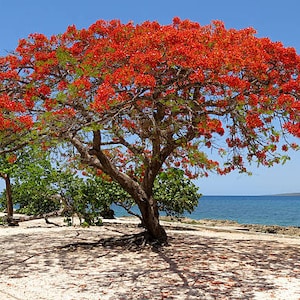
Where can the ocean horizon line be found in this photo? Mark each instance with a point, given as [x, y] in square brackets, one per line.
[297, 194]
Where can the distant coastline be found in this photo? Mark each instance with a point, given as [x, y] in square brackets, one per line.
[288, 194]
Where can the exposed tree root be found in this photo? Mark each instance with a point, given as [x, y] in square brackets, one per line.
[12, 222]
[51, 223]
[131, 242]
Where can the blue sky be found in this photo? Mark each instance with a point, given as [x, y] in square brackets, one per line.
[279, 20]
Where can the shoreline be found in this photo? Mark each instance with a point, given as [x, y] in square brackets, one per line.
[213, 224]
[258, 228]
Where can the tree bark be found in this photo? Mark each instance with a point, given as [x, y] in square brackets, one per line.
[9, 200]
[150, 219]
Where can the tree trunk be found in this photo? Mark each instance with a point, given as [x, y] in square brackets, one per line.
[150, 218]
[9, 200]
[95, 157]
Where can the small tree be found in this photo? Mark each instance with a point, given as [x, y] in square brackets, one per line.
[138, 99]
[31, 181]
[80, 197]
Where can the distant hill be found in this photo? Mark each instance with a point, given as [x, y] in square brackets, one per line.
[288, 194]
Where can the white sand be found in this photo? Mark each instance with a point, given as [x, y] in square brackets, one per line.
[208, 263]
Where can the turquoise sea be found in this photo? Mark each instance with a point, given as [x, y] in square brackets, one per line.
[266, 210]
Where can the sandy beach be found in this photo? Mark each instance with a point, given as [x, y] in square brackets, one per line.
[42, 261]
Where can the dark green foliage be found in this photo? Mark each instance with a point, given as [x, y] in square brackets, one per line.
[34, 193]
[84, 198]
[175, 193]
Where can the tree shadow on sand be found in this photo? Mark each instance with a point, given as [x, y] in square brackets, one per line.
[191, 267]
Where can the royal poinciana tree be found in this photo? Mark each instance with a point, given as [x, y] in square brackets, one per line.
[135, 99]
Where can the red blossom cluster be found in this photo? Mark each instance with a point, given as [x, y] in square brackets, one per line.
[166, 85]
